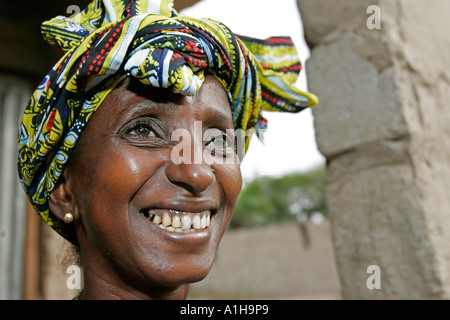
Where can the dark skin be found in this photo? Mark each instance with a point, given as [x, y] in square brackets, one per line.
[124, 167]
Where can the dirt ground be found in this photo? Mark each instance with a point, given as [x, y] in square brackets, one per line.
[272, 263]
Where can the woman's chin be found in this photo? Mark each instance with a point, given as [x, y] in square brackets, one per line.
[181, 273]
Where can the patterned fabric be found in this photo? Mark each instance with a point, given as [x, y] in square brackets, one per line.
[148, 40]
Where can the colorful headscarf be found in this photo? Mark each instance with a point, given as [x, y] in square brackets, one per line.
[146, 39]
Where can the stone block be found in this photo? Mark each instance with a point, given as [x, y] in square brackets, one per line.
[358, 102]
[325, 20]
[382, 124]
[377, 220]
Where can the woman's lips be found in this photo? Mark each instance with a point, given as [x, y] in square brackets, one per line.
[179, 221]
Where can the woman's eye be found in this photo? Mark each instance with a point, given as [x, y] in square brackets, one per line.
[219, 141]
[220, 144]
[144, 132]
[141, 132]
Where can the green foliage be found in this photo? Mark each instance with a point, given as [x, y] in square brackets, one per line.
[269, 200]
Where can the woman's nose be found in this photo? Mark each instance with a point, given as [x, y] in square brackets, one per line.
[187, 167]
[194, 177]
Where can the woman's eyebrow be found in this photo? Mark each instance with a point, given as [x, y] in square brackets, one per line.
[213, 115]
[139, 108]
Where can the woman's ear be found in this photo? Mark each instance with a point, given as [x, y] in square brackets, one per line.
[61, 199]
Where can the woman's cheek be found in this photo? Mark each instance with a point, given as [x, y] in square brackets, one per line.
[230, 178]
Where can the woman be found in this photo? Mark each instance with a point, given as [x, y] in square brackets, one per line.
[130, 146]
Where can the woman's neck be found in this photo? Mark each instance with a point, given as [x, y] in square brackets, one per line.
[105, 286]
[103, 281]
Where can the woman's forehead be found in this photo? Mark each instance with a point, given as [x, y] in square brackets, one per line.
[132, 96]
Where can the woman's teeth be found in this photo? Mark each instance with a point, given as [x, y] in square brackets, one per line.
[181, 222]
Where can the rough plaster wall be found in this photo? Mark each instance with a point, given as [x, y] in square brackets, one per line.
[382, 124]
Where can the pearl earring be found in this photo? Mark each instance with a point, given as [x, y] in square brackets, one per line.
[68, 217]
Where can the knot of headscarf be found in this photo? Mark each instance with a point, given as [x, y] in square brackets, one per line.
[148, 40]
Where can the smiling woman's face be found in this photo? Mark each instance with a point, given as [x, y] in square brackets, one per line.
[125, 187]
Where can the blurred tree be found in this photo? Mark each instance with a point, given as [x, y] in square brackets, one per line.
[294, 197]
